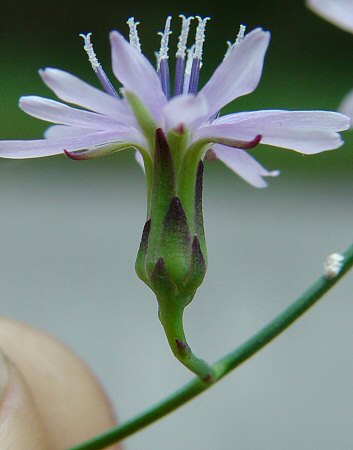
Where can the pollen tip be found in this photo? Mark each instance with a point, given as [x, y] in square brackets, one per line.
[241, 34]
[183, 37]
[163, 52]
[238, 39]
[88, 47]
[200, 36]
[133, 34]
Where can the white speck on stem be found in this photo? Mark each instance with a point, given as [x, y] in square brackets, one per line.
[333, 265]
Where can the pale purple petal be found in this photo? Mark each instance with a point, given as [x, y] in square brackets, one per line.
[73, 90]
[137, 74]
[244, 165]
[60, 131]
[56, 112]
[346, 106]
[239, 73]
[48, 147]
[338, 12]
[304, 131]
[185, 110]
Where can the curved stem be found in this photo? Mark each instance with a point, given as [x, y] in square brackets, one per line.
[172, 321]
[223, 366]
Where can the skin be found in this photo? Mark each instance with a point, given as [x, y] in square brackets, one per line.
[49, 399]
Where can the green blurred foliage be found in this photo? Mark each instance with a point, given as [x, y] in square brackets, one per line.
[308, 66]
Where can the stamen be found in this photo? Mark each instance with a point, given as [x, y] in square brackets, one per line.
[88, 47]
[96, 66]
[163, 52]
[200, 36]
[162, 59]
[133, 34]
[180, 55]
[185, 27]
[239, 38]
[197, 56]
[241, 34]
[188, 67]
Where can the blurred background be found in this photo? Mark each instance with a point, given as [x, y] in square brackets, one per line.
[69, 233]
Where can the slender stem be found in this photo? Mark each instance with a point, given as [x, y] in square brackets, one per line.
[172, 321]
[223, 366]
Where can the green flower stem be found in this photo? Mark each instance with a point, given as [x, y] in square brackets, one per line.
[172, 321]
[224, 365]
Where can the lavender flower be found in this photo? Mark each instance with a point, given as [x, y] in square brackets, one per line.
[173, 130]
[108, 123]
[340, 13]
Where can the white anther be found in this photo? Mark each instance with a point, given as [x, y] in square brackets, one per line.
[333, 265]
[163, 52]
[239, 38]
[133, 34]
[229, 50]
[183, 37]
[200, 37]
[240, 35]
[190, 55]
[88, 47]
[188, 67]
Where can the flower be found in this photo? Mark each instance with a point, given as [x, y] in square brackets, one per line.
[340, 13]
[108, 122]
[173, 134]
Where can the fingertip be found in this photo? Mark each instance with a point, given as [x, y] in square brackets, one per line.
[72, 405]
[20, 424]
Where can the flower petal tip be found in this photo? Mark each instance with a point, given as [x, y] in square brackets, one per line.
[116, 37]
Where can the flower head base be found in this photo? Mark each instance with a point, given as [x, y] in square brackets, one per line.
[173, 131]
